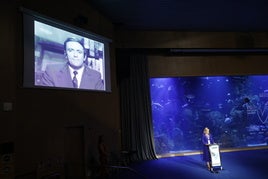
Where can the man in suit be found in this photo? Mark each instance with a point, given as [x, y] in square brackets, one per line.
[75, 73]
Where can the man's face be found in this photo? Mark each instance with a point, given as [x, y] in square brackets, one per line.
[75, 54]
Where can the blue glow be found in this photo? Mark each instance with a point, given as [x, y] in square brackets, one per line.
[235, 108]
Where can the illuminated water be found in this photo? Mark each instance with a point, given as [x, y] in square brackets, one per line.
[235, 108]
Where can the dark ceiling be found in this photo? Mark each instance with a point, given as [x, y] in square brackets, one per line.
[186, 15]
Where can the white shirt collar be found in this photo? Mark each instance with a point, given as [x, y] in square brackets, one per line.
[79, 74]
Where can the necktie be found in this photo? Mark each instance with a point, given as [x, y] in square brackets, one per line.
[75, 82]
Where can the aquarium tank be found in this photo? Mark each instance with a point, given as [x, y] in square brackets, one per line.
[234, 108]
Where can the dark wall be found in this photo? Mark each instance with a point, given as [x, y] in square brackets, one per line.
[39, 120]
[162, 63]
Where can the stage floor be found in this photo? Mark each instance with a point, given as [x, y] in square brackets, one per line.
[245, 164]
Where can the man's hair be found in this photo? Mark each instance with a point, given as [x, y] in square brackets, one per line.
[74, 39]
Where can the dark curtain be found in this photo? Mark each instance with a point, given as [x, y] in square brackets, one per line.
[136, 120]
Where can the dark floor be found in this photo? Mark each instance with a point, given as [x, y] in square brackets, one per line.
[251, 164]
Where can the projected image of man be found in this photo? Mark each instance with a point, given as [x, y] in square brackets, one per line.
[74, 73]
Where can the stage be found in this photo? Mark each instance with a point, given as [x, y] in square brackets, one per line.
[244, 164]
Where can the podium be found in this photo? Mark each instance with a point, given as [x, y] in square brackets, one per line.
[214, 151]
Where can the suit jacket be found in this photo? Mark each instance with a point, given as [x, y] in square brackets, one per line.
[205, 139]
[206, 153]
[59, 76]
